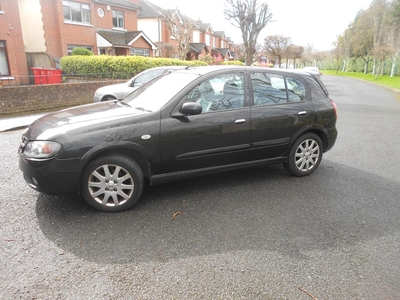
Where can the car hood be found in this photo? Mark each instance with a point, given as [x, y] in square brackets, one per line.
[86, 117]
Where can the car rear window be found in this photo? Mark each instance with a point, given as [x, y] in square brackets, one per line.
[317, 88]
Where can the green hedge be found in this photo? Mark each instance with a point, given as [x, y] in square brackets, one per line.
[108, 66]
[233, 62]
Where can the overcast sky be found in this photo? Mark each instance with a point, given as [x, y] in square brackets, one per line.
[314, 22]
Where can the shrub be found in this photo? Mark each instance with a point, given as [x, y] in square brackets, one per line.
[122, 67]
[232, 62]
[81, 51]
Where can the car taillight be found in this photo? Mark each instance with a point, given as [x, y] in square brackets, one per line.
[334, 107]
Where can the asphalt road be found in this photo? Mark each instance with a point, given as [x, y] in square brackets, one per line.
[248, 234]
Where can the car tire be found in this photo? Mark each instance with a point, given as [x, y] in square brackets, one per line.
[305, 155]
[108, 98]
[112, 183]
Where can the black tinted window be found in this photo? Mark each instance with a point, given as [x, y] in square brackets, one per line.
[221, 92]
[268, 89]
[296, 89]
[316, 90]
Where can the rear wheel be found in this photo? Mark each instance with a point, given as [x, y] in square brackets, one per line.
[112, 183]
[305, 155]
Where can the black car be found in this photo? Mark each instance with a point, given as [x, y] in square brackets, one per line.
[191, 122]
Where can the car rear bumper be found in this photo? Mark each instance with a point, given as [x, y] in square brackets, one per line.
[331, 138]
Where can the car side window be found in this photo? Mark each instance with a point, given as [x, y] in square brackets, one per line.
[225, 91]
[268, 88]
[296, 89]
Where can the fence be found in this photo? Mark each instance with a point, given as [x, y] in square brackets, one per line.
[42, 97]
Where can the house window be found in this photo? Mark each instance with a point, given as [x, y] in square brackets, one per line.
[71, 47]
[207, 40]
[140, 52]
[4, 70]
[118, 18]
[76, 12]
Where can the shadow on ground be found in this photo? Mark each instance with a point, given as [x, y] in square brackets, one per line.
[261, 208]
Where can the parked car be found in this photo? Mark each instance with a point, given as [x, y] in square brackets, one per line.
[119, 91]
[190, 122]
[312, 70]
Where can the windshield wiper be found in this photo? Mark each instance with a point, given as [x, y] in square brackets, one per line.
[122, 103]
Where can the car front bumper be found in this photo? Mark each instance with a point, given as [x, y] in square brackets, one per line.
[51, 176]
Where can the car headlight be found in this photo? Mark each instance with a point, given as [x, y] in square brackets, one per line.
[41, 149]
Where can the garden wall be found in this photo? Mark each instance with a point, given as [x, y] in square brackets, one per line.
[35, 98]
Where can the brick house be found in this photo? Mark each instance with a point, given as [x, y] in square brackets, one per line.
[151, 19]
[102, 26]
[37, 33]
[13, 64]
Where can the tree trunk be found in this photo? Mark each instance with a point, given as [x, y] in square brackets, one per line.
[394, 61]
[374, 67]
[366, 65]
[377, 70]
[249, 57]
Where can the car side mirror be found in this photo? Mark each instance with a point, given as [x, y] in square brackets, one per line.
[191, 108]
[131, 83]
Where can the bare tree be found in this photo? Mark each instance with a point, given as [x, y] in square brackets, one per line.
[276, 45]
[378, 11]
[360, 35]
[165, 49]
[381, 53]
[251, 17]
[181, 28]
[341, 51]
[294, 52]
[318, 56]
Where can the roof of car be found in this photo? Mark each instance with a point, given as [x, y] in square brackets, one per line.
[202, 70]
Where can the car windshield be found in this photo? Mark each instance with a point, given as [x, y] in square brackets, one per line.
[156, 94]
[148, 75]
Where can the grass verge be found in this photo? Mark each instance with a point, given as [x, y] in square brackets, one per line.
[385, 80]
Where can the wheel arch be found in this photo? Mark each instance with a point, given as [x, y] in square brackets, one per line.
[321, 135]
[135, 152]
[108, 97]
[317, 131]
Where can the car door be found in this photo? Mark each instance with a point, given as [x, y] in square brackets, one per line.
[280, 110]
[219, 135]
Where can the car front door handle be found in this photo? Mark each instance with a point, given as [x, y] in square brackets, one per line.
[240, 121]
[302, 113]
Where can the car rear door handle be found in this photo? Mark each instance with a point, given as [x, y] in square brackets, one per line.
[240, 121]
[302, 113]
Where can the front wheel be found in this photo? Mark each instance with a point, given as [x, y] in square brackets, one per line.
[112, 183]
[108, 98]
[305, 155]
